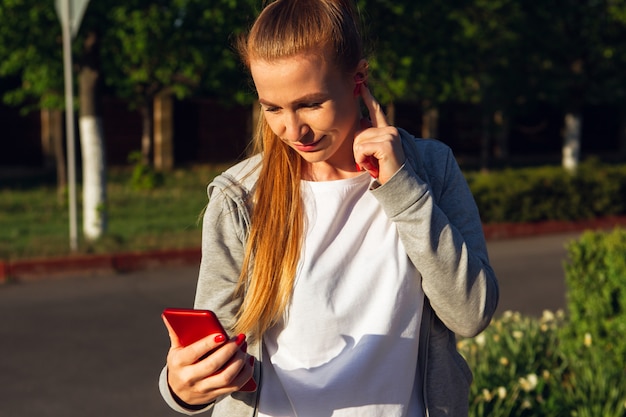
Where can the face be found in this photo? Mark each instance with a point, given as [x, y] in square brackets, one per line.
[310, 105]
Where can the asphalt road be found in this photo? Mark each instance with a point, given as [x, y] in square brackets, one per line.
[94, 345]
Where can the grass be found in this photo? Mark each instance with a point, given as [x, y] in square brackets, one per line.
[34, 218]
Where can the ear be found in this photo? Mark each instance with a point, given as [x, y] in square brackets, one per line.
[360, 76]
[362, 71]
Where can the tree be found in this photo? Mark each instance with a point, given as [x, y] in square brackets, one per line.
[32, 50]
[578, 56]
[491, 65]
[170, 46]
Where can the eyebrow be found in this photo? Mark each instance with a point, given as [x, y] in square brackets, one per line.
[304, 99]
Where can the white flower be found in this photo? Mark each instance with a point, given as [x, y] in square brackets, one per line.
[518, 334]
[480, 339]
[529, 383]
[501, 393]
[487, 395]
[547, 316]
[588, 340]
[504, 361]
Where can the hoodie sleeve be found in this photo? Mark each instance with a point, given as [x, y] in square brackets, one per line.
[440, 228]
[223, 240]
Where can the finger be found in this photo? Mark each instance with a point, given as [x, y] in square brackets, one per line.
[174, 340]
[219, 356]
[238, 373]
[377, 115]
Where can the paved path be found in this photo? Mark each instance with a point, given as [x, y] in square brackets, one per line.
[94, 345]
[530, 272]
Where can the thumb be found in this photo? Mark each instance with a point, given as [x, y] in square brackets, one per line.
[174, 340]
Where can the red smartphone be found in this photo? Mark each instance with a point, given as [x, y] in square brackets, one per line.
[192, 325]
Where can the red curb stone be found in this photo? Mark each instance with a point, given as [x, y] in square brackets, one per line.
[141, 260]
[41, 267]
[515, 230]
[132, 261]
[76, 264]
[4, 271]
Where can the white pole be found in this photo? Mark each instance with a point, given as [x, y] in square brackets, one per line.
[69, 122]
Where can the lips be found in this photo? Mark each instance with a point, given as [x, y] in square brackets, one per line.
[309, 147]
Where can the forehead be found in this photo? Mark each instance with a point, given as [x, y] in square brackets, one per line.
[302, 74]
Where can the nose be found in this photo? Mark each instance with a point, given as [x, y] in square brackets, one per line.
[294, 127]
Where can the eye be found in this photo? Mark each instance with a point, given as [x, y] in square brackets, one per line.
[313, 105]
[271, 109]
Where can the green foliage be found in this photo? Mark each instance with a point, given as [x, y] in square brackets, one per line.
[596, 281]
[550, 193]
[525, 366]
[560, 365]
[31, 49]
[34, 222]
[513, 362]
[144, 176]
[181, 46]
[499, 53]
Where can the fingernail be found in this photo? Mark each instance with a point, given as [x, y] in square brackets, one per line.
[251, 361]
[219, 338]
[240, 339]
[244, 347]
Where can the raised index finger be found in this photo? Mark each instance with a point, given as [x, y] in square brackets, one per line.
[377, 115]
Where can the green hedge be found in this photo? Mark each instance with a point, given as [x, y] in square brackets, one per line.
[550, 193]
[561, 364]
[596, 280]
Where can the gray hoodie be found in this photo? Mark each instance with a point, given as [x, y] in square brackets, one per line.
[436, 217]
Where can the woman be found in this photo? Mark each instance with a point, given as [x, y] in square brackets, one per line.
[348, 288]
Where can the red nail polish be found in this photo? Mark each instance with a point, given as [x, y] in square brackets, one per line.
[251, 361]
[359, 79]
[244, 347]
[219, 338]
[240, 339]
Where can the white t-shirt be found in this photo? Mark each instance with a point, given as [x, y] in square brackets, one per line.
[348, 344]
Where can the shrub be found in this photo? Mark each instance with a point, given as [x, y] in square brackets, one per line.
[525, 367]
[550, 193]
[144, 177]
[514, 363]
[560, 365]
[595, 276]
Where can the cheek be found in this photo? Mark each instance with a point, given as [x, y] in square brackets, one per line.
[273, 124]
[338, 117]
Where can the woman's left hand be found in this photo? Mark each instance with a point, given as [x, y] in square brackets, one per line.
[377, 146]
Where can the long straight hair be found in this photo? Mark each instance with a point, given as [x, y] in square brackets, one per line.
[285, 28]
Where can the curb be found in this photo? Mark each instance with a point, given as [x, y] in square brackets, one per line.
[133, 261]
[520, 230]
[106, 263]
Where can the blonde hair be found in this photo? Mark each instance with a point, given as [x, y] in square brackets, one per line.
[285, 28]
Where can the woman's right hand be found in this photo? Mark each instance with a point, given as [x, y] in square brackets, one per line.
[197, 378]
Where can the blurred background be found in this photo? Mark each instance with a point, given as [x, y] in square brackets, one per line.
[530, 95]
[502, 81]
